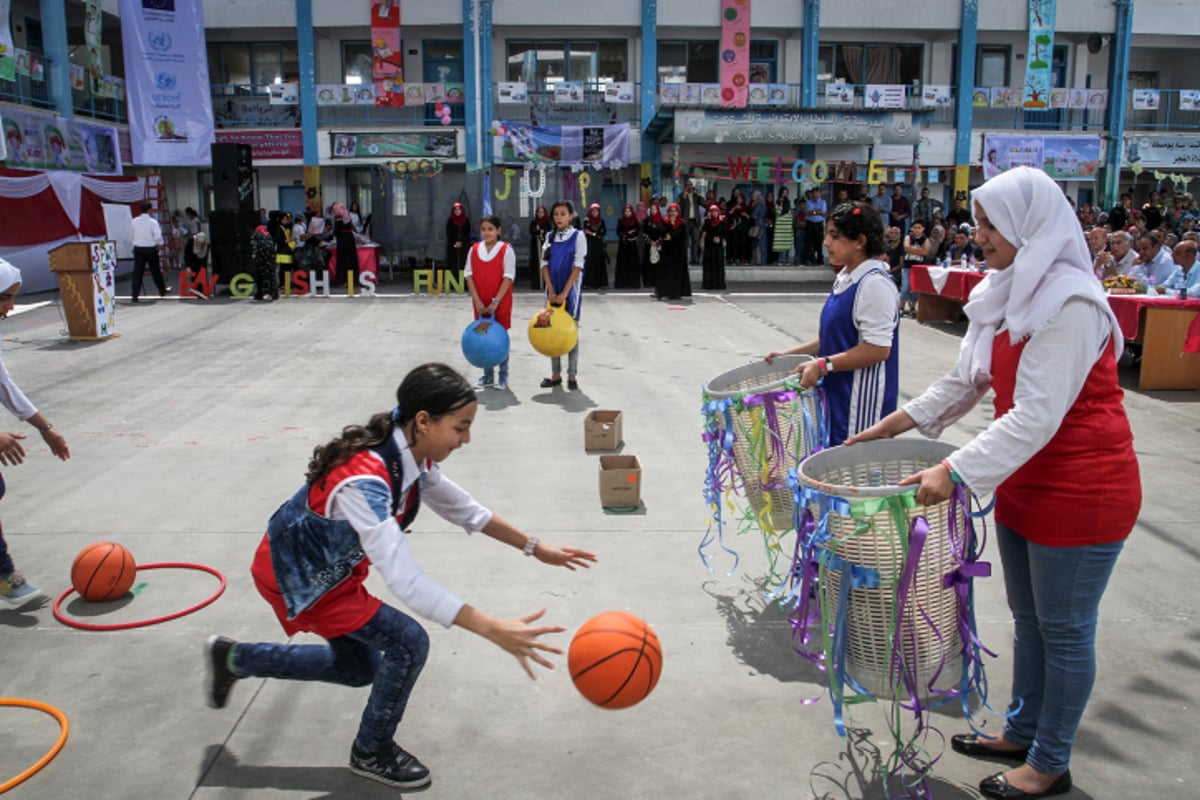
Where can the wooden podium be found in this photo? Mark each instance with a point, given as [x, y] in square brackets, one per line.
[86, 273]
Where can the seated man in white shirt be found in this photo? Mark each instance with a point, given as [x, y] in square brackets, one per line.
[1154, 265]
[1120, 246]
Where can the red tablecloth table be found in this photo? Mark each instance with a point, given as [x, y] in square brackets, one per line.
[945, 305]
[1168, 330]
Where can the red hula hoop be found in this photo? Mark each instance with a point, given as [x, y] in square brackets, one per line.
[121, 626]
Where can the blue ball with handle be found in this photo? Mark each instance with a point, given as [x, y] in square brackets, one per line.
[485, 342]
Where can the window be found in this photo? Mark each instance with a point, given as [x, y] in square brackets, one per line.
[549, 62]
[992, 67]
[253, 65]
[878, 63]
[762, 62]
[356, 63]
[693, 62]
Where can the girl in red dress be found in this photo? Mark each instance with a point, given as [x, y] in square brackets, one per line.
[490, 271]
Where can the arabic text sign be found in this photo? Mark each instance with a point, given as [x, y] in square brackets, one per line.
[795, 128]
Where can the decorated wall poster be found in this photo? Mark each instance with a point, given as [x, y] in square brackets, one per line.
[334, 94]
[390, 94]
[1097, 99]
[884, 96]
[387, 56]
[79, 77]
[1038, 78]
[414, 93]
[93, 18]
[691, 94]
[1189, 100]
[8, 61]
[284, 94]
[710, 94]
[758, 94]
[619, 92]
[935, 96]
[1077, 98]
[670, 94]
[1071, 158]
[981, 97]
[777, 94]
[518, 92]
[41, 141]
[1060, 157]
[597, 146]
[22, 59]
[1145, 99]
[395, 145]
[37, 68]
[104, 271]
[568, 92]
[839, 95]
[735, 53]
[166, 71]
[456, 93]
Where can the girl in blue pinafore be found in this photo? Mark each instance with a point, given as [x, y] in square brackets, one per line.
[857, 346]
[563, 256]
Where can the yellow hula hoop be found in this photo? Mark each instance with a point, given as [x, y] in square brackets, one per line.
[44, 760]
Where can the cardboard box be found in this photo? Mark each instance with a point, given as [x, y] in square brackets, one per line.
[602, 430]
[620, 482]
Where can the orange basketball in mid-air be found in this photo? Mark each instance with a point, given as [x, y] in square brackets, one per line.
[103, 571]
[615, 659]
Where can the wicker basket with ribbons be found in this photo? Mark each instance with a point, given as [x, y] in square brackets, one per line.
[758, 426]
[882, 588]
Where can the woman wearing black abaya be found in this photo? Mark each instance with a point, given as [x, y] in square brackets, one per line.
[595, 266]
[671, 279]
[629, 251]
[458, 238]
[539, 228]
[713, 234]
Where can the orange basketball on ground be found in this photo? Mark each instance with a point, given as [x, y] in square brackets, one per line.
[103, 571]
[615, 659]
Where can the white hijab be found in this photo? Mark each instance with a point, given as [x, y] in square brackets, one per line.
[1051, 266]
[9, 275]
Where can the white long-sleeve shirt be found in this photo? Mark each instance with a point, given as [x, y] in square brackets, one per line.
[365, 502]
[13, 398]
[146, 231]
[1054, 365]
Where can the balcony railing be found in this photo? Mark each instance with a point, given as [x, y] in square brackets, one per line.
[249, 105]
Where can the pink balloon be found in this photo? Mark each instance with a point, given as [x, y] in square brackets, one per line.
[445, 120]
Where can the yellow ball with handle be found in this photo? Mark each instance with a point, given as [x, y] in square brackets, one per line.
[553, 332]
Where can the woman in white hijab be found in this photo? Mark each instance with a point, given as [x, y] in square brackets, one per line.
[1043, 338]
[14, 589]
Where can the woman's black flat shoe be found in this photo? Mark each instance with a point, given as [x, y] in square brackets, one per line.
[970, 744]
[572, 384]
[550, 382]
[996, 786]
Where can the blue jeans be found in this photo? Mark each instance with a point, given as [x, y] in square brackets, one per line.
[6, 562]
[572, 362]
[1054, 594]
[907, 295]
[388, 653]
[489, 373]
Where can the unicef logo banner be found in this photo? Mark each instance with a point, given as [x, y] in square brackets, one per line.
[166, 68]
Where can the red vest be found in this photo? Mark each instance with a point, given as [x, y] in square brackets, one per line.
[348, 606]
[488, 275]
[1083, 487]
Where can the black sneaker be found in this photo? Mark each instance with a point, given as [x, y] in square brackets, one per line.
[394, 766]
[219, 678]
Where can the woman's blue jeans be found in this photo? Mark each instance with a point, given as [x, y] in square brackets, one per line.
[388, 653]
[1054, 594]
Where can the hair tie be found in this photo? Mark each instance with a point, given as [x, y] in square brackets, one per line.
[856, 211]
[396, 415]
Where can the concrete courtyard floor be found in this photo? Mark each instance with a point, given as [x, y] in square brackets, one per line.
[189, 429]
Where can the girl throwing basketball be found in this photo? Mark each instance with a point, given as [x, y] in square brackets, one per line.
[362, 490]
[490, 272]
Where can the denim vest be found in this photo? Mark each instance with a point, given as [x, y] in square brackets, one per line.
[311, 554]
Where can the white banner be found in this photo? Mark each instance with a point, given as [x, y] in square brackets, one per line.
[166, 73]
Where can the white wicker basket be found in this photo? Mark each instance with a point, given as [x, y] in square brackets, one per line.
[763, 473]
[931, 641]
